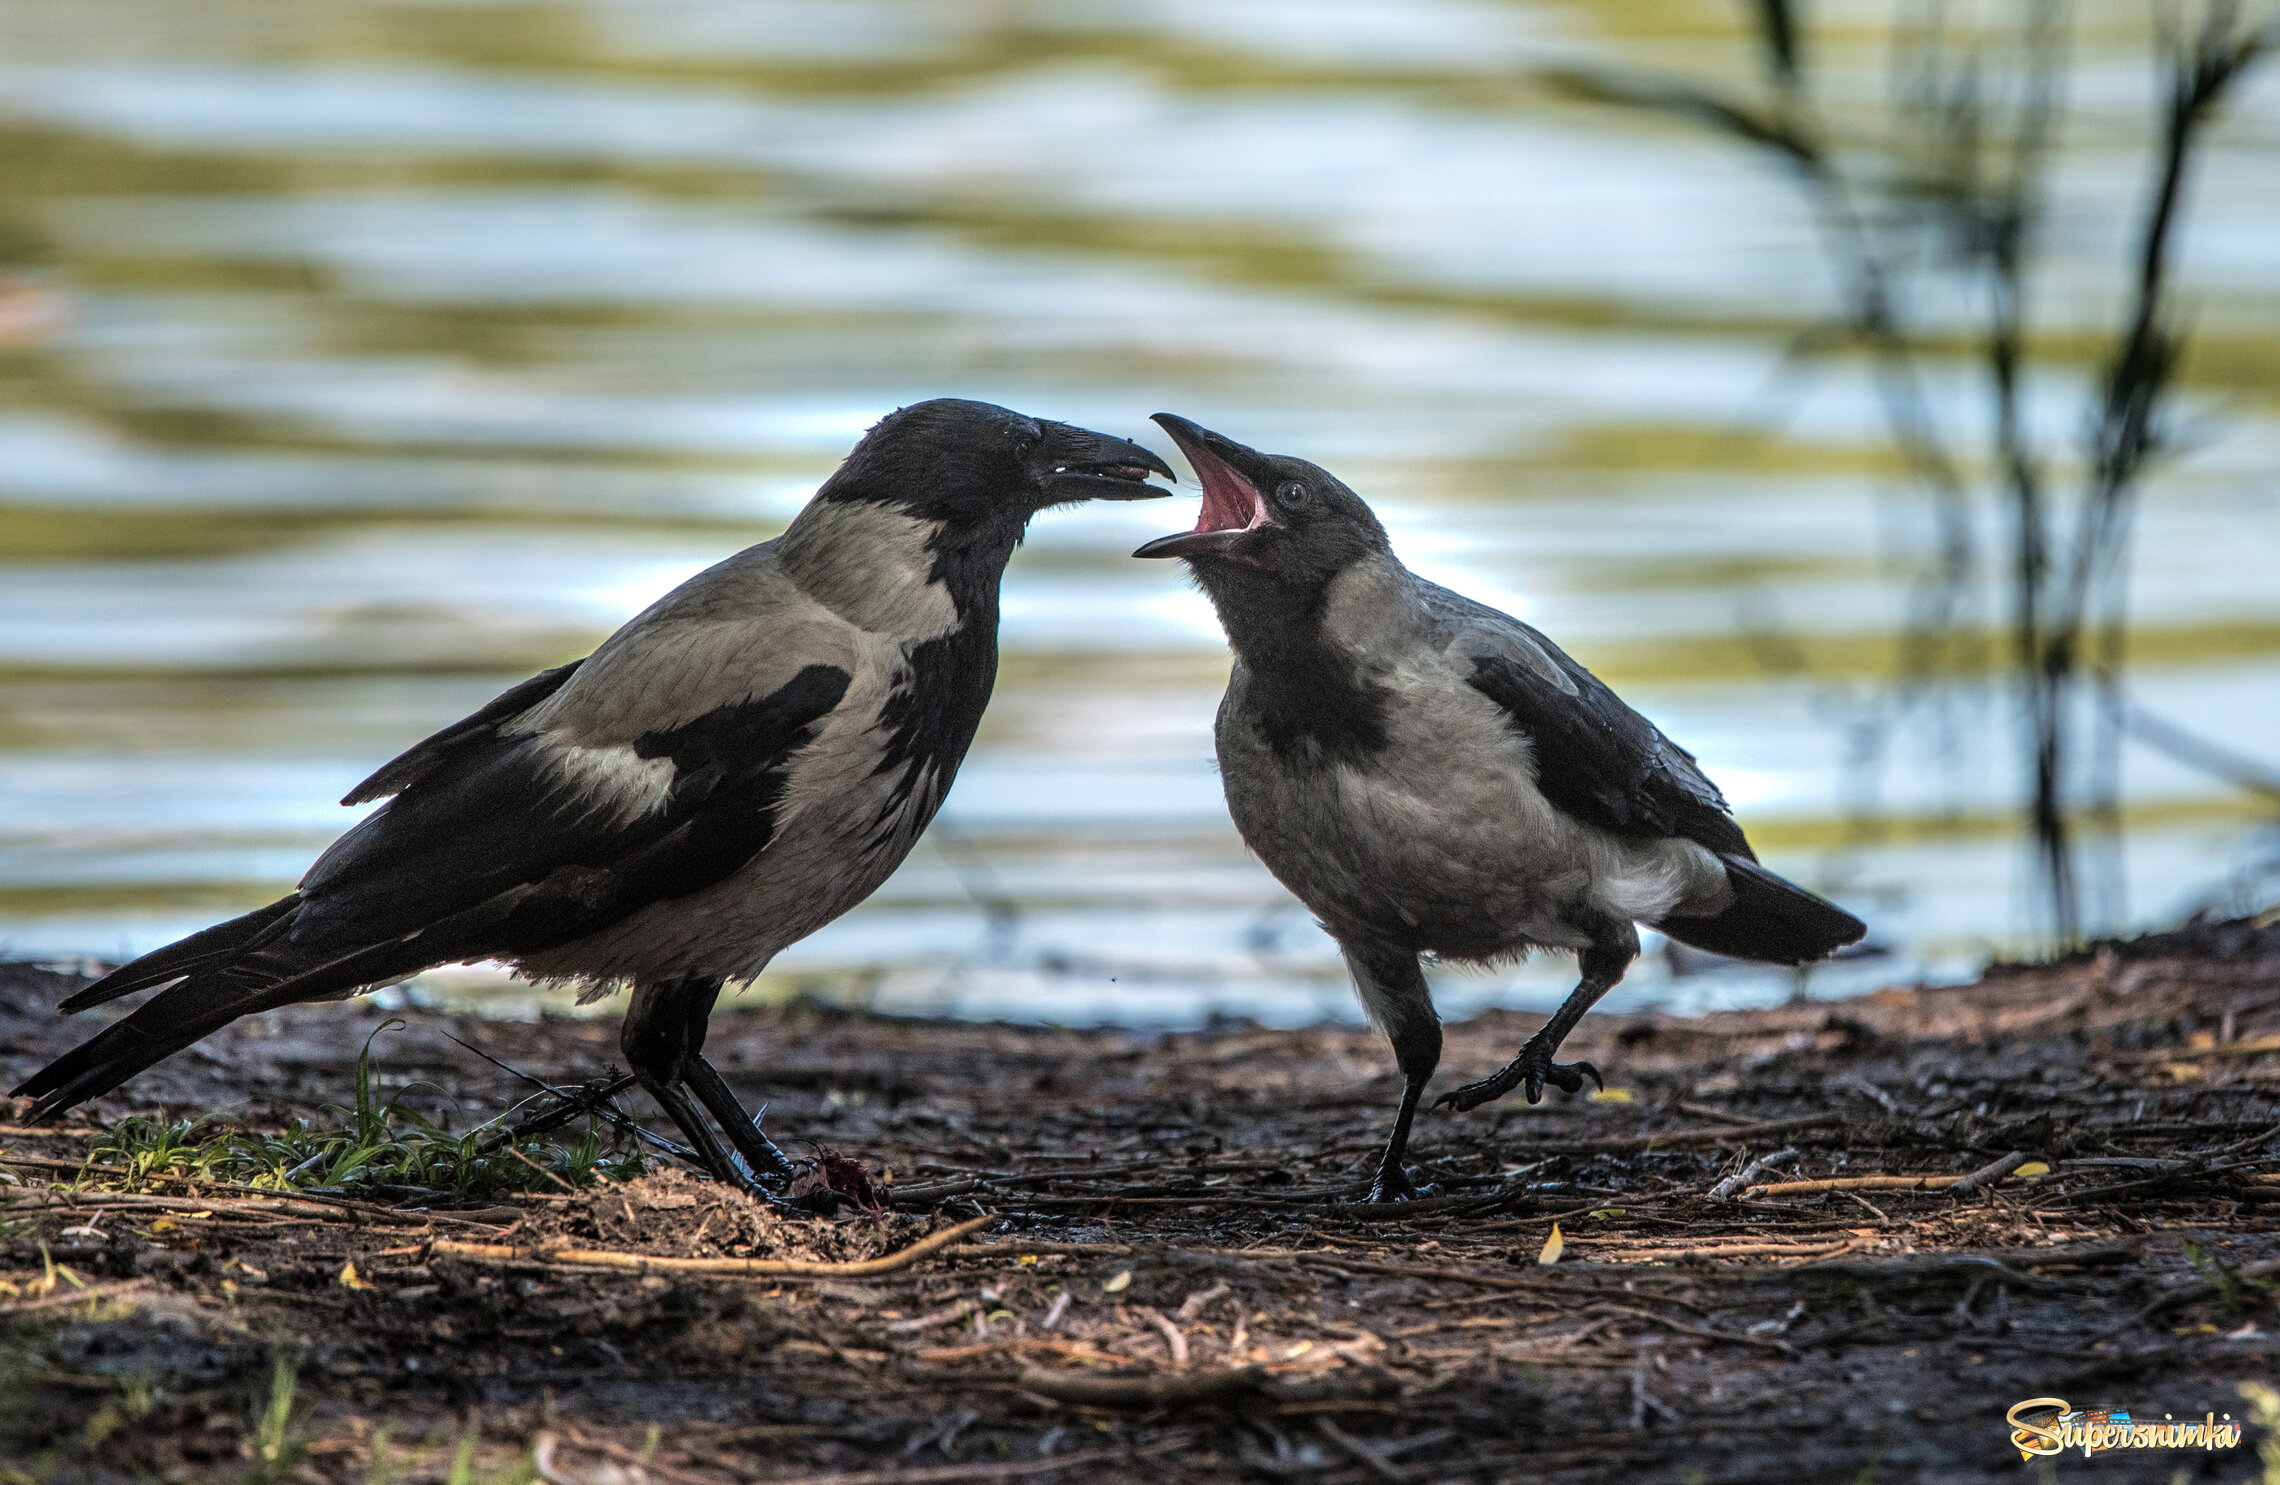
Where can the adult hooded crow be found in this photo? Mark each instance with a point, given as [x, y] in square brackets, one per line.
[1431, 776]
[740, 764]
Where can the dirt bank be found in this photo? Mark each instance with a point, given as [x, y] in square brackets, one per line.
[1175, 1284]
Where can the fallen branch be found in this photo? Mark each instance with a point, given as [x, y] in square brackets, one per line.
[643, 1263]
[1074, 1350]
[2163, 1173]
[1986, 1175]
[1724, 1190]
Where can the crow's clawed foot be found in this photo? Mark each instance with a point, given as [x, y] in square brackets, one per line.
[1393, 1184]
[1530, 1071]
[739, 1174]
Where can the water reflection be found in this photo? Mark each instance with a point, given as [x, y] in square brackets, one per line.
[356, 359]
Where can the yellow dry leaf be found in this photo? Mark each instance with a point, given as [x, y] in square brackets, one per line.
[2033, 1168]
[348, 1278]
[1027, 1260]
[1611, 1095]
[1553, 1246]
[1119, 1284]
[165, 1224]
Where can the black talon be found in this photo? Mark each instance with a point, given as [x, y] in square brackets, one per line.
[1393, 1184]
[1566, 1076]
[1603, 964]
[663, 1040]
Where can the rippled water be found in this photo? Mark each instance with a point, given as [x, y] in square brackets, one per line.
[356, 359]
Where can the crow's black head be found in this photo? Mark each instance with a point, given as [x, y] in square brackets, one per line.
[1265, 516]
[974, 464]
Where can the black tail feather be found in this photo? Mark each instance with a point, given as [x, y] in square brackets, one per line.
[1770, 920]
[203, 1002]
[185, 956]
[171, 1020]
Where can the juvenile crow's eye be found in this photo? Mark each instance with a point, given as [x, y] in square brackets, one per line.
[1292, 493]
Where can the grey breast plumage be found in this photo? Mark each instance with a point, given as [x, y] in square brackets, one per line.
[840, 816]
[1446, 837]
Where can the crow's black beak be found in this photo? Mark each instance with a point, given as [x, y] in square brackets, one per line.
[1084, 465]
[1232, 505]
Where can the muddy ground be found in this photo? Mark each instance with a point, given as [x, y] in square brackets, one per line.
[1176, 1284]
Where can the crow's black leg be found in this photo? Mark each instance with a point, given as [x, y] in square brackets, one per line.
[742, 1129]
[674, 1099]
[1394, 993]
[663, 1032]
[1614, 945]
[719, 1099]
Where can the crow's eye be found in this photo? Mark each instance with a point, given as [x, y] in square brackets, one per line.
[1292, 494]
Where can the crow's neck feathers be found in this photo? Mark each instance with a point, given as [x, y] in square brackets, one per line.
[1304, 683]
[930, 581]
[912, 568]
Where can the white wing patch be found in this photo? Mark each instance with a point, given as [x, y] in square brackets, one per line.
[612, 781]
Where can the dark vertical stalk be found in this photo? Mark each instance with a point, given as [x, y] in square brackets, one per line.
[2136, 380]
[2044, 661]
[1964, 164]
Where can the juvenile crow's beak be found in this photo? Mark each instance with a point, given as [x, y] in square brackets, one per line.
[1232, 504]
[1084, 465]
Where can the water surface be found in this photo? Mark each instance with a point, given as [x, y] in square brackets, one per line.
[356, 360]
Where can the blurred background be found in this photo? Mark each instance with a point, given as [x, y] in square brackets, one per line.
[357, 359]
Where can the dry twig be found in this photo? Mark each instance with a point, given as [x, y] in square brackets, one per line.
[757, 1268]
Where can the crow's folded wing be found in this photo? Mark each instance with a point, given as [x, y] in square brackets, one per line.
[514, 842]
[496, 846]
[1596, 759]
[423, 757]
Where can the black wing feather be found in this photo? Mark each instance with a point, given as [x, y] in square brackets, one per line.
[1602, 762]
[207, 946]
[497, 819]
[421, 759]
[1605, 764]
[482, 852]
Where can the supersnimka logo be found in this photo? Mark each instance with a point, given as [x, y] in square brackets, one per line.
[2052, 1425]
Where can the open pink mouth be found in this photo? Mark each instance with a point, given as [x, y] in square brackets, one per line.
[1230, 502]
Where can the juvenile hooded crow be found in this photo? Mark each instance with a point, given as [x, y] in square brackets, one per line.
[744, 761]
[1431, 776]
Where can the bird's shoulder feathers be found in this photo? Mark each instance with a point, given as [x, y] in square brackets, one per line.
[1596, 758]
